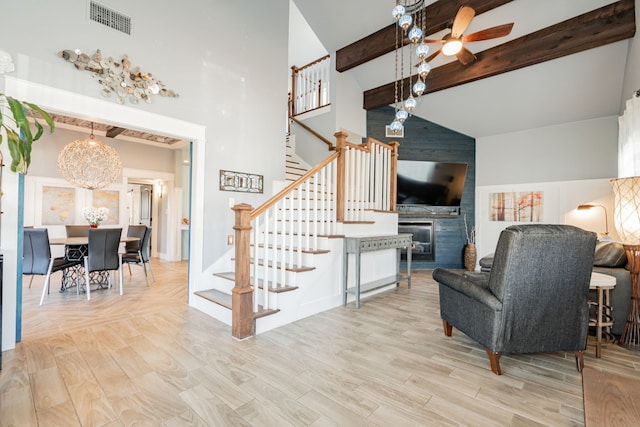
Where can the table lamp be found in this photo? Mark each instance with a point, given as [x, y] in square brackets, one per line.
[627, 223]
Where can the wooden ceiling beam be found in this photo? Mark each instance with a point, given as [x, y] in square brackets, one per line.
[439, 16]
[114, 131]
[608, 24]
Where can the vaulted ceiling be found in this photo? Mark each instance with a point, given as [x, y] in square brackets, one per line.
[564, 60]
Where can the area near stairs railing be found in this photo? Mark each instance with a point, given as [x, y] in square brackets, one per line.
[310, 86]
[271, 239]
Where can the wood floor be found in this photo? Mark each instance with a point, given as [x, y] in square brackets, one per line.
[148, 359]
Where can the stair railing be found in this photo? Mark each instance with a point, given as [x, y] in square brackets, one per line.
[310, 86]
[271, 239]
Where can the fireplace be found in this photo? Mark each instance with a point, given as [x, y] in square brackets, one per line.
[423, 239]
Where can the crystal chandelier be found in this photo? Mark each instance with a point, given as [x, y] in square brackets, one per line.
[410, 16]
[88, 163]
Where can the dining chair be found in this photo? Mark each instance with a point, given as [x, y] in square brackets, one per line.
[138, 252]
[76, 252]
[102, 257]
[77, 230]
[37, 259]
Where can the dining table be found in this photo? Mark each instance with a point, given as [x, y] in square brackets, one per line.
[76, 248]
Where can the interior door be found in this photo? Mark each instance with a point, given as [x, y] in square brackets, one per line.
[146, 196]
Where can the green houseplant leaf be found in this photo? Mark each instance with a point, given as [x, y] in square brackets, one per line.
[20, 138]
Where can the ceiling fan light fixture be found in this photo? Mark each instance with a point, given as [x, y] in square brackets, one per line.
[451, 46]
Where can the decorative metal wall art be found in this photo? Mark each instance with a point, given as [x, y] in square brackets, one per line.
[117, 77]
[239, 181]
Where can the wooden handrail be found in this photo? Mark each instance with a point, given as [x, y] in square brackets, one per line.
[310, 64]
[273, 200]
[314, 133]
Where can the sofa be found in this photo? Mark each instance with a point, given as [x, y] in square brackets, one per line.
[609, 258]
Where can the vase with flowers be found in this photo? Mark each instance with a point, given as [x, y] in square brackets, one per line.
[95, 216]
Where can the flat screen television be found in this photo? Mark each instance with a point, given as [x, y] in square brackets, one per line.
[426, 183]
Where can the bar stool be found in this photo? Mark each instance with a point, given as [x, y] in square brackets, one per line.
[602, 284]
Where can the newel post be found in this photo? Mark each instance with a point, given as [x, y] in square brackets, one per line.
[341, 140]
[242, 322]
[393, 181]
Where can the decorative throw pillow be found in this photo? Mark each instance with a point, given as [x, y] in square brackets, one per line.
[609, 254]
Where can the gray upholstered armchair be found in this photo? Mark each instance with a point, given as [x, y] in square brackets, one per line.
[533, 300]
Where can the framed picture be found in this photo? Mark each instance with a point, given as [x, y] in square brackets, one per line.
[58, 205]
[109, 199]
[241, 181]
[524, 206]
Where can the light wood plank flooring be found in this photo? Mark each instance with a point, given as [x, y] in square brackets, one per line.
[148, 359]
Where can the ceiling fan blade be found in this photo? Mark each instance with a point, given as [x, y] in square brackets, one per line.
[465, 56]
[433, 55]
[489, 33]
[461, 21]
[433, 41]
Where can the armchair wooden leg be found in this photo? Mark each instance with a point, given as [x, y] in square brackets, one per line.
[494, 359]
[579, 360]
[447, 328]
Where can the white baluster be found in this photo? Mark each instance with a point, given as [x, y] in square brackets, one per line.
[316, 195]
[254, 266]
[299, 216]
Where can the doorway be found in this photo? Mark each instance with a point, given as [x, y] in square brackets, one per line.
[73, 104]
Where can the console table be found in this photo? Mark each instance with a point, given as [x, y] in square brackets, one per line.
[360, 245]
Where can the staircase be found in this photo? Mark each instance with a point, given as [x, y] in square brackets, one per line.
[288, 257]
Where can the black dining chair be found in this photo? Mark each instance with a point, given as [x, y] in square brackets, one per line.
[138, 252]
[37, 259]
[102, 257]
[76, 252]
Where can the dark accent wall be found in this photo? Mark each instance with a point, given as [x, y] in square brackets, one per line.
[424, 140]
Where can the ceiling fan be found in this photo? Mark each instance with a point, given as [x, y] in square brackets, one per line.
[453, 43]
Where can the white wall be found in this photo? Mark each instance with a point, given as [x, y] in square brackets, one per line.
[570, 151]
[570, 163]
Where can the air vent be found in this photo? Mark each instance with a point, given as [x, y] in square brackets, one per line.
[109, 17]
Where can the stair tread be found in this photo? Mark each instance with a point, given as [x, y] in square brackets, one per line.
[216, 296]
[230, 275]
[304, 251]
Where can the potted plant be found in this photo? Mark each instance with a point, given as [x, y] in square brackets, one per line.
[21, 137]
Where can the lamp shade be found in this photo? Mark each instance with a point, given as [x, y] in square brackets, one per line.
[626, 215]
[91, 164]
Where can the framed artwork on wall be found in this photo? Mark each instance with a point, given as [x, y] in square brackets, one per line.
[109, 199]
[58, 205]
[524, 206]
[241, 181]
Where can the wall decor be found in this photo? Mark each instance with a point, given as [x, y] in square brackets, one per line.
[118, 77]
[240, 181]
[525, 206]
[58, 205]
[109, 199]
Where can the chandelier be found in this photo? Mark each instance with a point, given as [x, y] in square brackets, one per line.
[410, 16]
[88, 163]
